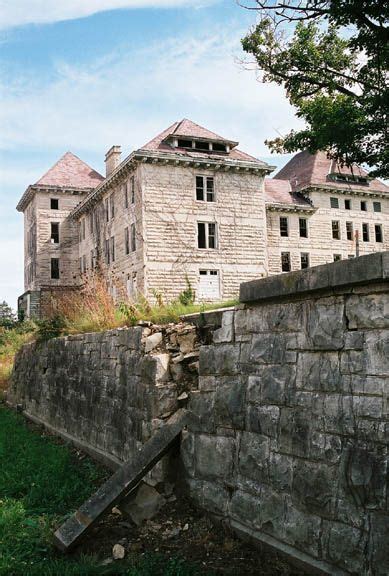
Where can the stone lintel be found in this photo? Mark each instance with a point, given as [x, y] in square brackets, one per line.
[368, 269]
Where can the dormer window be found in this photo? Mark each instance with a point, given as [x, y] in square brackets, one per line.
[184, 143]
[201, 145]
[349, 178]
[217, 147]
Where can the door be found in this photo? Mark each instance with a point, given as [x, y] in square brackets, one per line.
[209, 285]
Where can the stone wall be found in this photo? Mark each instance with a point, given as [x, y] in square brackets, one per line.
[292, 448]
[107, 391]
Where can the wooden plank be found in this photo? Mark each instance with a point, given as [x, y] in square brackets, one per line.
[121, 483]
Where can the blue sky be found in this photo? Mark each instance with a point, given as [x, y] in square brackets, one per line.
[83, 75]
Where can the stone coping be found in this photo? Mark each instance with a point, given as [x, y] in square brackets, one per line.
[356, 271]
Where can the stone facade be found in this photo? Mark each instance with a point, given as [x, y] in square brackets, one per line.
[149, 228]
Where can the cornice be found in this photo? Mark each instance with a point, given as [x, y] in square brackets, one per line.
[279, 207]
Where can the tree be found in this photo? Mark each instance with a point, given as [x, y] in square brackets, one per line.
[7, 317]
[332, 58]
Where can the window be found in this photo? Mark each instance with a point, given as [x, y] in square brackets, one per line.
[304, 260]
[284, 228]
[206, 235]
[125, 194]
[285, 261]
[363, 206]
[347, 204]
[201, 145]
[205, 189]
[106, 251]
[106, 209]
[350, 256]
[91, 223]
[303, 227]
[54, 268]
[349, 230]
[184, 143]
[334, 202]
[113, 249]
[112, 205]
[84, 263]
[133, 238]
[132, 184]
[82, 229]
[217, 147]
[337, 257]
[54, 204]
[54, 233]
[335, 230]
[92, 259]
[365, 232]
[378, 232]
[377, 206]
[126, 241]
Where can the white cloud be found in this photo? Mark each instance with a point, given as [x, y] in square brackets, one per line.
[21, 12]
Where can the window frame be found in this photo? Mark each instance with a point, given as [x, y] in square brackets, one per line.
[51, 203]
[132, 189]
[112, 248]
[347, 204]
[133, 237]
[284, 219]
[204, 188]
[54, 236]
[304, 255]
[349, 231]
[54, 270]
[336, 233]
[207, 235]
[381, 235]
[376, 205]
[305, 220]
[365, 232]
[334, 202]
[363, 206]
[126, 241]
[288, 260]
[337, 257]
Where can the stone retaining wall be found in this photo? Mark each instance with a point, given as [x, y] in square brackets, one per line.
[292, 449]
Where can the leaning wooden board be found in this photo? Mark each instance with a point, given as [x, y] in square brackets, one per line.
[121, 483]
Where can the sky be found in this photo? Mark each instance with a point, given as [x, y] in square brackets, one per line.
[83, 75]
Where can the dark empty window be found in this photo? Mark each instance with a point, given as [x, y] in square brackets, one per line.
[54, 268]
[132, 183]
[205, 188]
[184, 143]
[127, 240]
[349, 230]
[347, 204]
[303, 226]
[112, 204]
[334, 202]
[54, 203]
[125, 194]
[304, 260]
[378, 232]
[54, 233]
[201, 145]
[219, 147]
[285, 261]
[133, 238]
[113, 249]
[106, 209]
[106, 251]
[363, 206]
[335, 230]
[377, 206]
[365, 232]
[350, 256]
[337, 257]
[284, 229]
[206, 235]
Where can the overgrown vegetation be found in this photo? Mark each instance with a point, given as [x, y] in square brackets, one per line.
[93, 309]
[11, 340]
[41, 482]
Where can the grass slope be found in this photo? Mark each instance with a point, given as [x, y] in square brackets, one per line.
[41, 482]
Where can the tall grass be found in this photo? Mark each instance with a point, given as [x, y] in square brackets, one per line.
[11, 340]
[92, 309]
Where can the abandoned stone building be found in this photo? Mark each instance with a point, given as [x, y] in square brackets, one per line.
[190, 206]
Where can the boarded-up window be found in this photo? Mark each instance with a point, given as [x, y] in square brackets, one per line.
[303, 227]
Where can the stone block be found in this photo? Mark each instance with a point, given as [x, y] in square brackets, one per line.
[300, 529]
[246, 508]
[214, 456]
[229, 402]
[318, 371]
[346, 547]
[379, 549]
[367, 311]
[295, 427]
[263, 420]
[280, 471]
[153, 341]
[268, 349]
[314, 488]
[325, 324]
[339, 416]
[221, 360]
[202, 404]
[377, 352]
[254, 451]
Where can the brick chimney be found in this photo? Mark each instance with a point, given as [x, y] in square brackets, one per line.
[112, 159]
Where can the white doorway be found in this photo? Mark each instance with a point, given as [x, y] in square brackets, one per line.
[209, 285]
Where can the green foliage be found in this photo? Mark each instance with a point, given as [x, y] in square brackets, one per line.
[7, 316]
[336, 78]
[50, 327]
[41, 482]
[187, 296]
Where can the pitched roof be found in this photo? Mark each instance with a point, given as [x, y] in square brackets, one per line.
[187, 128]
[70, 172]
[279, 192]
[306, 169]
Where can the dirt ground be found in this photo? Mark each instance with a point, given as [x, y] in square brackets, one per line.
[181, 530]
